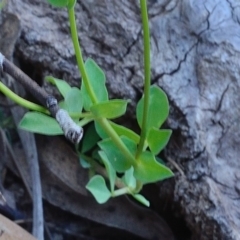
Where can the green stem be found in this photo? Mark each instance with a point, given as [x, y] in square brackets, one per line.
[120, 192]
[78, 53]
[102, 121]
[116, 139]
[81, 115]
[147, 81]
[21, 101]
[2, 4]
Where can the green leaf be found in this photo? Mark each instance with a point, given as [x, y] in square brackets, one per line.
[97, 81]
[110, 109]
[120, 130]
[73, 101]
[123, 131]
[97, 186]
[90, 139]
[148, 170]
[140, 198]
[158, 108]
[157, 139]
[110, 170]
[62, 86]
[58, 3]
[100, 131]
[39, 123]
[129, 179]
[115, 156]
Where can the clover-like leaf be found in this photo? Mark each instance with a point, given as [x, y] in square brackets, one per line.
[115, 155]
[40, 123]
[110, 170]
[148, 170]
[158, 108]
[110, 109]
[97, 186]
[97, 81]
[157, 139]
[62, 86]
[73, 100]
[140, 198]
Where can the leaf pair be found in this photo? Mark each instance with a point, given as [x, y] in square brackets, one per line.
[148, 169]
[158, 111]
[104, 107]
[74, 101]
[97, 185]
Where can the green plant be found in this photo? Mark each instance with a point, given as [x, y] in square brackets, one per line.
[2, 4]
[125, 159]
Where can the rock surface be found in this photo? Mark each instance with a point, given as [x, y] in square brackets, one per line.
[195, 59]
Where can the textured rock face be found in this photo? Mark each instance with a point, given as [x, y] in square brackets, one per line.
[195, 59]
[201, 38]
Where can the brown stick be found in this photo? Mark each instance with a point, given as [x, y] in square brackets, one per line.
[26, 81]
[71, 130]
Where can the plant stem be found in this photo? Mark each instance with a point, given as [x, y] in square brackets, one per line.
[147, 81]
[116, 139]
[78, 53]
[120, 192]
[2, 4]
[81, 115]
[87, 117]
[21, 101]
[102, 121]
